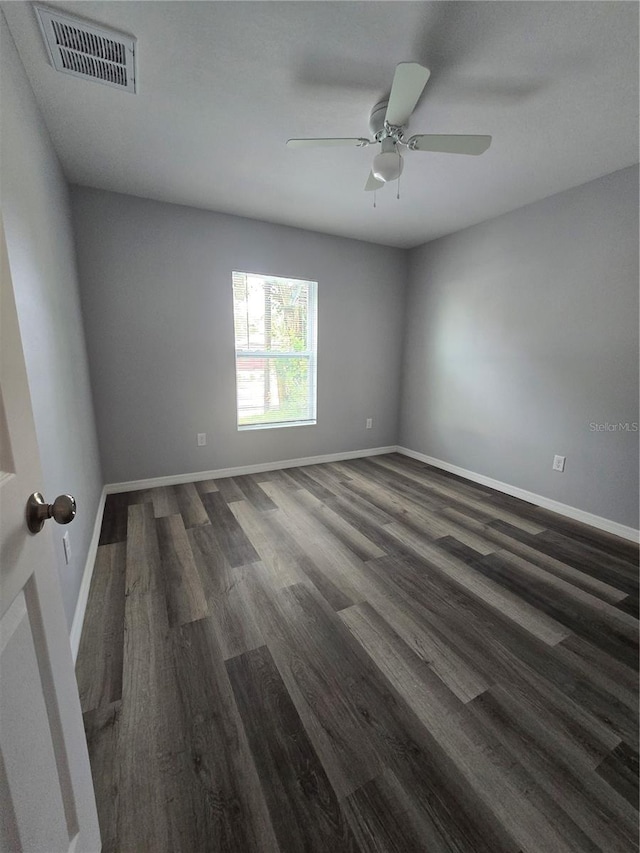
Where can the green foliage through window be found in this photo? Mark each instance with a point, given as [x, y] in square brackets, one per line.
[275, 339]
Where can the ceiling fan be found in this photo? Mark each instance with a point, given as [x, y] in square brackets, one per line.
[388, 123]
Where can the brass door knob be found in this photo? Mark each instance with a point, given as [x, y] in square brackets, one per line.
[62, 510]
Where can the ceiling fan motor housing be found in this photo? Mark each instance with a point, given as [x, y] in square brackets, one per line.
[376, 119]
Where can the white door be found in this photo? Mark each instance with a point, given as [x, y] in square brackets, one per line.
[46, 793]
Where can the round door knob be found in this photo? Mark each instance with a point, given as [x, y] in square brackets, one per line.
[62, 510]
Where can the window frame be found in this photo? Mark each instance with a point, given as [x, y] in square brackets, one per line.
[311, 353]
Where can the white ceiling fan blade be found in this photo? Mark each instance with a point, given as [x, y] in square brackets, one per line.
[450, 144]
[408, 83]
[354, 142]
[372, 184]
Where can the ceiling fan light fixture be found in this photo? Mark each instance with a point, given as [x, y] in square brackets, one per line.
[387, 166]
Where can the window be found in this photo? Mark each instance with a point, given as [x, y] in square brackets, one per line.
[275, 335]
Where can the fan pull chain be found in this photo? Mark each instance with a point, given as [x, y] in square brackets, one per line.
[374, 198]
[398, 193]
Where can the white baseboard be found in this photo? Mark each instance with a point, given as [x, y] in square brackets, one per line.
[258, 468]
[83, 595]
[539, 500]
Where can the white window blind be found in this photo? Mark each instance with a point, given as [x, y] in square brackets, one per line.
[275, 338]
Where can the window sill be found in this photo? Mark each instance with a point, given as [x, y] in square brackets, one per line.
[246, 427]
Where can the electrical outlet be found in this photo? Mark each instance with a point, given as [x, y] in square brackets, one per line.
[558, 463]
[202, 439]
[66, 544]
[369, 423]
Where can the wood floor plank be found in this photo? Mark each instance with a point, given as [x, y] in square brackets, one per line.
[484, 514]
[428, 476]
[620, 770]
[418, 508]
[387, 491]
[205, 486]
[495, 650]
[143, 572]
[385, 820]
[328, 714]
[142, 744]
[589, 694]
[213, 567]
[422, 475]
[266, 476]
[190, 506]
[400, 609]
[361, 515]
[440, 526]
[390, 506]
[587, 712]
[234, 622]
[225, 795]
[164, 501]
[352, 506]
[383, 656]
[594, 555]
[448, 491]
[337, 526]
[286, 560]
[114, 519]
[439, 475]
[408, 672]
[599, 667]
[140, 496]
[332, 558]
[584, 614]
[101, 726]
[508, 790]
[99, 664]
[336, 470]
[284, 479]
[323, 475]
[304, 810]
[610, 570]
[606, 542]
[185, 597]
[511, 539]
[252, 492]
[403, 744]
[232, 539]
[491, 593]
[584, 659]
[231, 620]
[604, 816]
[229, 490]
[274, 546]
[488, 512]
[613, 571]
[630, 604]
[300, 476]
[151, 753]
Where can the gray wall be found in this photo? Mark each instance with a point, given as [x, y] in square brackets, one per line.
[157, 304]
[520, 333]
[37, 219]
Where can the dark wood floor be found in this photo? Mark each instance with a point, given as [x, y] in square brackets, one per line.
[367, 656]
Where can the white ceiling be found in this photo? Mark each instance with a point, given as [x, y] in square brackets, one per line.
[222, 85]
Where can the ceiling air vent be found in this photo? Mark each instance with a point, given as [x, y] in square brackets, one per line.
[84, 50]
